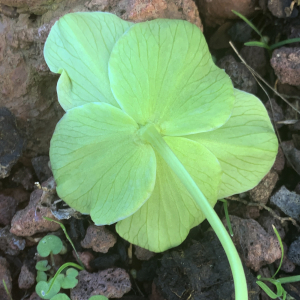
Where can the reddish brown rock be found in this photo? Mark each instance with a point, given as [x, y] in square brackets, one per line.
[143, 254]
[30, 220]
[111, 283]
[218, 11]
[99, 239]
[262, 192]
[8, 206]
[256, 247]
[5, 275]
[9, 243]
[286, 64]
[26, 278]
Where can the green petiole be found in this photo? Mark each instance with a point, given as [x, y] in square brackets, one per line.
[150, 134]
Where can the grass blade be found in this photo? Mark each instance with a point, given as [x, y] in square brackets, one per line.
[248, 22]
[281, 247]
[295, 40]
[258, 44]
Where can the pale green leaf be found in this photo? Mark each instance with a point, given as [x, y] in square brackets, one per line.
[245, 146]
[69, 281]
[99, 166]
[166, 218]
[60, 296]
[161, 72]
[78, 47]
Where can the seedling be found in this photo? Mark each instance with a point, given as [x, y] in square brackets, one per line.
[154, 132]
[280, 292]
[264, 40]
[50, 245]
[9, 295]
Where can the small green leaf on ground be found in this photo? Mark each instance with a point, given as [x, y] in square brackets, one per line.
[49, 243]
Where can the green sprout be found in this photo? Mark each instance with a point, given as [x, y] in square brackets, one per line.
[264, 40]
[60, 296]
[9, 295]
[280, 292]
[154, 132]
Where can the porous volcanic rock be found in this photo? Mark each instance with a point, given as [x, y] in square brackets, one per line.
[99, 238]
[256, 247]
[29, 220]
[27, 277]
[288, 202]
[111, 283]
[286, 64]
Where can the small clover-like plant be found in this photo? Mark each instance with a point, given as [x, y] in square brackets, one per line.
[154, 132]
[264, 40]
[49, 244]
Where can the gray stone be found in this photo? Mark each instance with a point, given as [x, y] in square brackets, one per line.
[11, 142]
[288, 202]
[294, 252]
[292, 154]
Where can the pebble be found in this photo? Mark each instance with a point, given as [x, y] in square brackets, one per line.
[256, 247]
[111, 283]
[27, 277]
[263, 190]
[29, 220]
[288, 202]
[292, 154]
[99, 239]
[294, 252]
[286, 64]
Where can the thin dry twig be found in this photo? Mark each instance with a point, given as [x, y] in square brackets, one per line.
[270, 210]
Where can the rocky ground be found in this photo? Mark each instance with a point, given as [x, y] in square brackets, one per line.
[197, 269]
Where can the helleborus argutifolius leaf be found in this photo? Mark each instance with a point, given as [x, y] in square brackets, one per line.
[245, 146]
[161, 72]
[78, 48]
[99, 165]
[165, 220]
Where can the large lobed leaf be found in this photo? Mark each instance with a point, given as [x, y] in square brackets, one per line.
[99, 167]
[78, 47]
[158, 72]
[161, 72]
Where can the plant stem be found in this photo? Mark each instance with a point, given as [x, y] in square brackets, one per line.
[150, 134]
